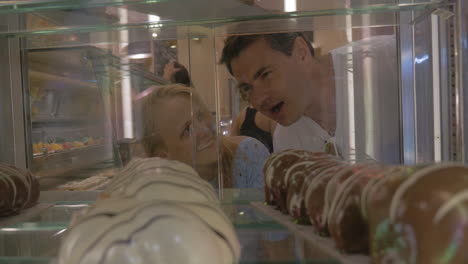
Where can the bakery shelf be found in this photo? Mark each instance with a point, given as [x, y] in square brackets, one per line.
[44, 76]
[324, 245]
[63, 154]
[24, 260]
[93, 16]
[60, 163]
[264, 239]
[27, 243]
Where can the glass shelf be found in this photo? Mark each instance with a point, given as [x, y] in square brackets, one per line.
[29, 243]
[67, 17]
[263, 239]
[258, 246]
[24, 260]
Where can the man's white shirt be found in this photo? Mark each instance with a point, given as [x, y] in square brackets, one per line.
[367, 107]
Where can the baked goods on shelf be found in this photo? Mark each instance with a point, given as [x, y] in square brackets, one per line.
[19, 189]
[346, 223]
[402, 214]
[298, 177]
[124, 230]
[426, 219]
[317, 203]
[154, 211]
[156, 178]
[376, 202]
[275, 172]
[95, 182]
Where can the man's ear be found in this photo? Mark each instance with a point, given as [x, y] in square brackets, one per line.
[301, 50]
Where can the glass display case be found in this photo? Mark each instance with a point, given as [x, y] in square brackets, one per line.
[73, 107]
[75, 74]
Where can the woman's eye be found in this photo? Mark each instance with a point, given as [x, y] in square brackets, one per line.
[265, 74]
[187, 131]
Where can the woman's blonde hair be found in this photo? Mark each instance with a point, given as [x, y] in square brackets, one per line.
[152, 140]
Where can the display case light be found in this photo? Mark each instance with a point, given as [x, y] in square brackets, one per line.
[290, 6]
[139, 50]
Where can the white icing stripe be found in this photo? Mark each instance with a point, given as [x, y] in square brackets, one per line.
[292, 168]
[156, 168]
[271, 167]
[152, 171]
[328, 173]
[324, 166]
[93, 234]
[449, 205]
[346, 187]
[401, 190]
[331, 191]
[9, 182]
[186, 188]
[365, 193]
[376, 184]
[295, 201]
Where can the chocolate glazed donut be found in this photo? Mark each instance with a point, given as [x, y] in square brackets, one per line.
[427, 220]
[19, 189]
[315, 198]
[347, 225]
[276, 172]
[298, 177]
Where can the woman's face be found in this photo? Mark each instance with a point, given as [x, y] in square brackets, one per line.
[184, 136]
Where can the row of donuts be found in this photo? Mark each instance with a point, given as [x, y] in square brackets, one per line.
[19, 189]
[397, 214]
[154, 211]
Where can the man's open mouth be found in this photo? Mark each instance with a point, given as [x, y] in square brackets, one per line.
[277, 108]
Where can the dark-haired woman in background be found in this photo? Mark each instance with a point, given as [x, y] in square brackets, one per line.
[175, 72]
[252, 123]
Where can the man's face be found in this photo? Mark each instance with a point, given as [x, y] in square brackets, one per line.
[276, 84]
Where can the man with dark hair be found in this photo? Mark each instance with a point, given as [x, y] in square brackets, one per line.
[284, 81]
[312, 98]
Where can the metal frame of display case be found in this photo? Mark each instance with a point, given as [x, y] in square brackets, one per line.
[13, 137]
[447, 66]
[462, 61]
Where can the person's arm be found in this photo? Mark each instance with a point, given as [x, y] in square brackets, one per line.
[272, 126]
[248, 161]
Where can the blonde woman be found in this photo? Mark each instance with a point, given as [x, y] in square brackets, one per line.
[178, 125]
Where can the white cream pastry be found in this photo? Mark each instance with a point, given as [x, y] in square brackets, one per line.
[155, 178]
[128, 231]
[136, 165]
[168, 186]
